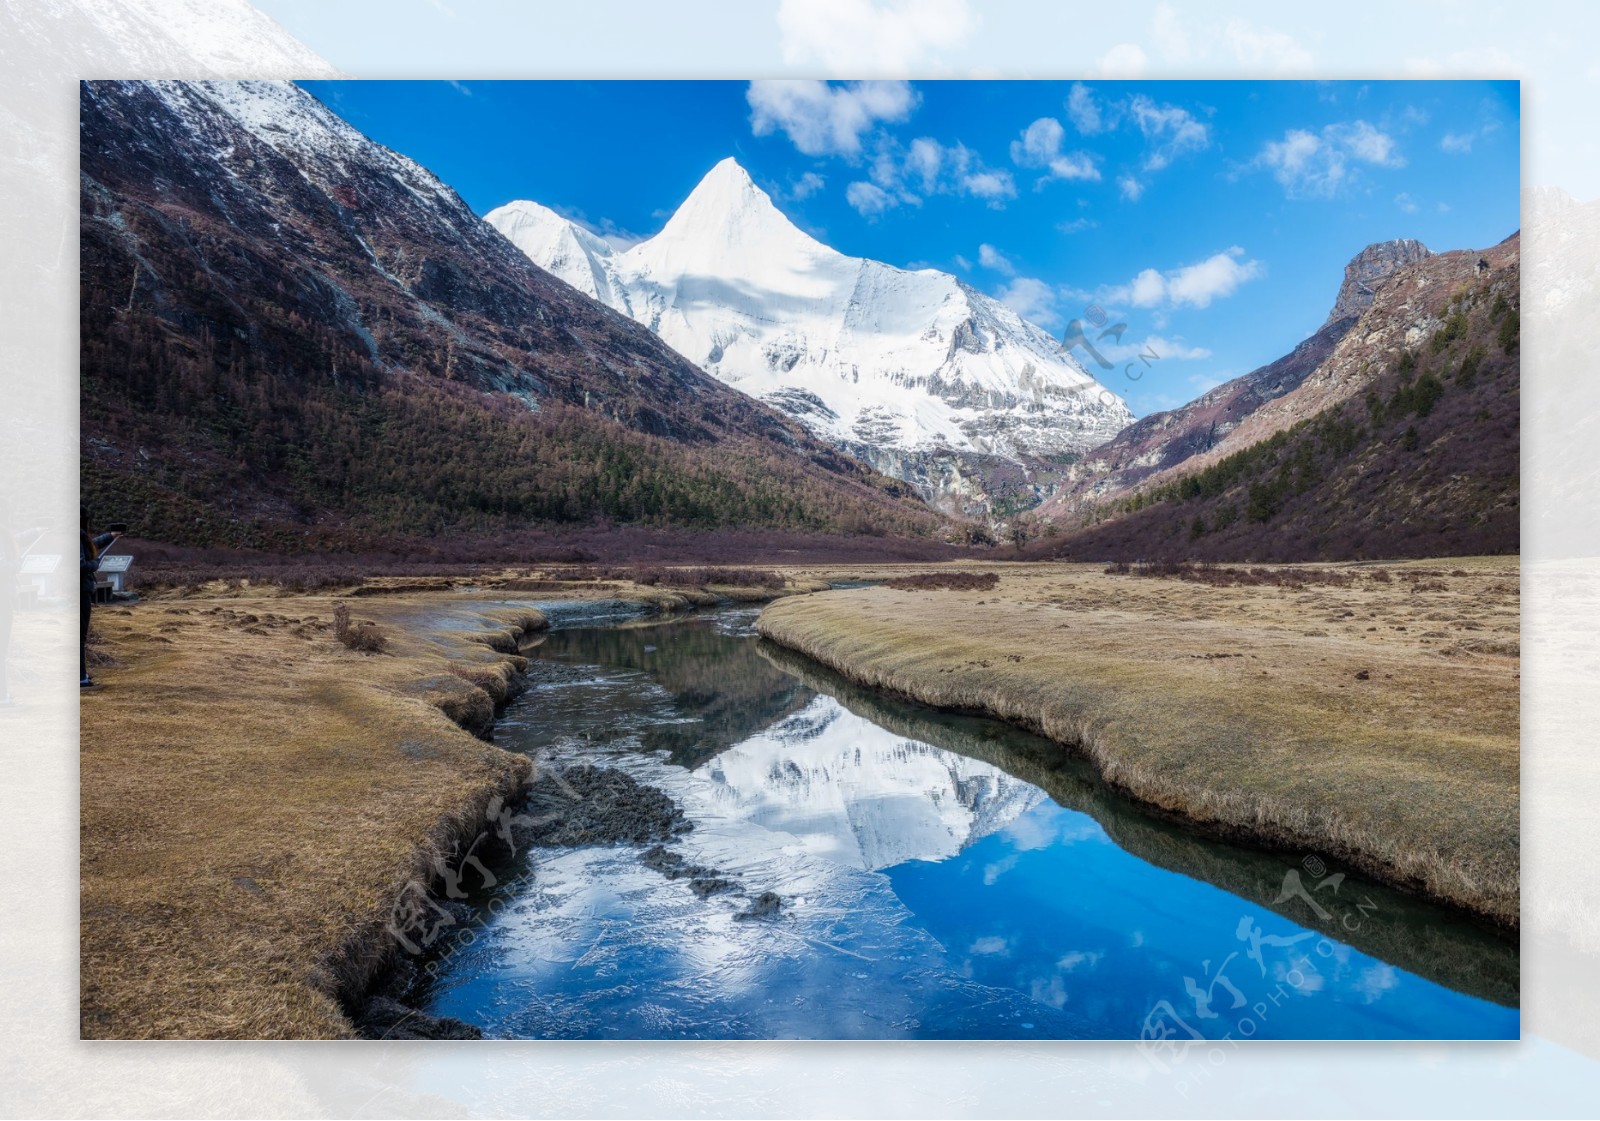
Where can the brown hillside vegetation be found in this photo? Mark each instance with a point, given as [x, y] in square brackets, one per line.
[1405, 444]
[298, 345]
[1164, 440]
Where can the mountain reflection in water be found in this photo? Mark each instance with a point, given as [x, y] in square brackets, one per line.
[942, 876]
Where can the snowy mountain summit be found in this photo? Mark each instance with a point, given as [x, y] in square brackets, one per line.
[914, 371]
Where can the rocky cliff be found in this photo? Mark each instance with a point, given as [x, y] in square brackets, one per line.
[1368, 270]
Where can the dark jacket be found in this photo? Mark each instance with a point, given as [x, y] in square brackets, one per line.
[89, 559]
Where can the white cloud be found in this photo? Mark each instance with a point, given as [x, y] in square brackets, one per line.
[1148, 289]
[1125, 60]
[1460, 143]
[1406, 203]
[806, 186]
[1048, 991]
[1171, 38]
[1170, 348]
[1041, 142]
[869, 199]
[962, 263]
[927, 167]
[856, 36]
[992, 872]
[1258, 49]
[989, 185]
[1152, 345]
[1376, 980]
[1077, 225]
[1261, 48]
[1074, 958]
[923, 160]
[1172, 131]
[1084, 111]
[1032, 299]
[825, 118]
[991, 258]
[1029, 833]
[1197, 285]
[1318, 165]
[1367, 143]
[1131, 188]
[1040, 146]
[989, 945]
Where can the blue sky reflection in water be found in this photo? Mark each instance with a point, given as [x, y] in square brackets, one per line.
[930, 890]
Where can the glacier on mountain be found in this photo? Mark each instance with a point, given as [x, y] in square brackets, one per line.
[914, 370]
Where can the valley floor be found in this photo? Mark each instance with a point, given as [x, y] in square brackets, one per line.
[255, 796]
[1373, 719]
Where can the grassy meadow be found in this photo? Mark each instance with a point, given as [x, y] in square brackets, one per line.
[1367, 712]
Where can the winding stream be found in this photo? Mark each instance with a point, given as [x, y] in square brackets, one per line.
[940, 877]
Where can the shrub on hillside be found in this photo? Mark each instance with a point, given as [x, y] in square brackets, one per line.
[364, 637]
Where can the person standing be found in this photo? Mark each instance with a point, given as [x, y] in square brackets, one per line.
[90, 549]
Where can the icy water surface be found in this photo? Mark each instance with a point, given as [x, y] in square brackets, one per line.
[941, 877]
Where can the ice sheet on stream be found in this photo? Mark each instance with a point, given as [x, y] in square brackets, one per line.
[603, 946]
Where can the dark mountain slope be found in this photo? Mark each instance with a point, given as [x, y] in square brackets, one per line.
[292, 335]
[1403, 443]
[1164, 440]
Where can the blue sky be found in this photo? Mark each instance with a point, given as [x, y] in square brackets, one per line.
[1213, 218]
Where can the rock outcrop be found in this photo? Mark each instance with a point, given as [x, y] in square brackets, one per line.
[1368, 270]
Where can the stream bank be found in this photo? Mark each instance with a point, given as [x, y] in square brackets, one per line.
[914, 875]
[1322, 720]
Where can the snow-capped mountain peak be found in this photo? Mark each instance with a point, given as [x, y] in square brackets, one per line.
[728, 213]
[560, 246]
[915, 371]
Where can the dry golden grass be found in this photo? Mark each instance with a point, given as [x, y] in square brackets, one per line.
[253, 796]
[1241, 708]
